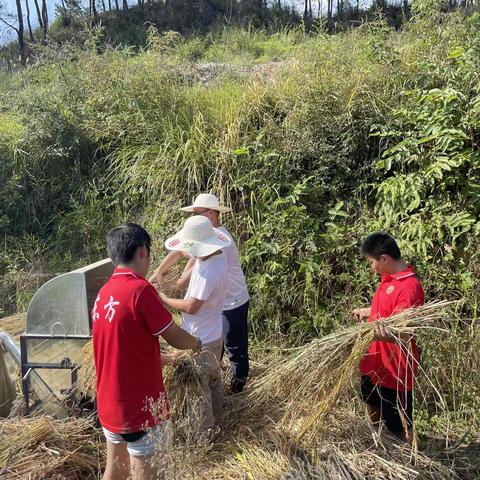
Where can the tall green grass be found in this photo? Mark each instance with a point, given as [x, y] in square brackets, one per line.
[290, 130]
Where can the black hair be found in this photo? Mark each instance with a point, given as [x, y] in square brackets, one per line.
[124, 240]
[378, 244]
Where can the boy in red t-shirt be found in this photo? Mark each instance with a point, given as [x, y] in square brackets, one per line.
[128, 316]
[389, 367]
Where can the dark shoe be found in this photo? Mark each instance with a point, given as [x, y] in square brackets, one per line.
[236, 386]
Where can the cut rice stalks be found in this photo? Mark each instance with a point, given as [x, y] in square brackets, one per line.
[350, 450]
[41, 448]
[309, 384]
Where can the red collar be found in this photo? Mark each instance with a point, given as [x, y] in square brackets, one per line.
[407, 273]
[122, 272]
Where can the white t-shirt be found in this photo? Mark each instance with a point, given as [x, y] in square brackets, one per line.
[208, 282]
[237, 292]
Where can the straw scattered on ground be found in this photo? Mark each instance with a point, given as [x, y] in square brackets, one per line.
[273, 431]
[41, 448]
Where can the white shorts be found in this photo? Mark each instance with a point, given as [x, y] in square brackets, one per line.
[157, 439]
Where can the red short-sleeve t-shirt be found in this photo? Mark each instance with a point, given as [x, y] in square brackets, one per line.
[127, 317]
[389, 364]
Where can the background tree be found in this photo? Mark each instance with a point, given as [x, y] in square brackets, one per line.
[30, 32]
[10, 22]
[44, 20]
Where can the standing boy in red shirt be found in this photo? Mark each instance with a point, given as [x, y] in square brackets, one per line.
[128, 316]
[389, 367]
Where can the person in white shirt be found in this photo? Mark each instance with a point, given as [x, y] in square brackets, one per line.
[203, 305]
[235, 310]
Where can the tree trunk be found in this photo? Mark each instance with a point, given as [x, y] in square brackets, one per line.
[30, 32]
[45, 20]
[21, 42]
[39, 15]
[125, 5]
[329, 15]
[103, 6]
[109, 5]
[116, 5]
[307, 17]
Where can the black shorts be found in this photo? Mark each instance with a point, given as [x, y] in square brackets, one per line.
[396, 407]
[134, 436]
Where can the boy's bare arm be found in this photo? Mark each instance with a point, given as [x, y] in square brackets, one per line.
[180, 339]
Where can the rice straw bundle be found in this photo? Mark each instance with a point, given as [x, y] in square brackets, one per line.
[87, 377]
[14, 325]
[310, 383]
[169, 279]
[41, 448]
[184, 386]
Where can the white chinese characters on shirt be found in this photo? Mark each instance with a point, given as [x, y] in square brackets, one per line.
[111, 310]
[109, 307]
[95, 314]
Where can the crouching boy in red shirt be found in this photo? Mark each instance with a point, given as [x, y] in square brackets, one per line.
[128, 316]
[389, 368]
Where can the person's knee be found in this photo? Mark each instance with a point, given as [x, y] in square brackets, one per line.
[141, 467]
[118, 462]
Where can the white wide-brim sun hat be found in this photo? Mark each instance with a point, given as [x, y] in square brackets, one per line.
[198, 238]
[207, 200]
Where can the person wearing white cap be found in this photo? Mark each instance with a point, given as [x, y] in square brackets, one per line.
[235, 310]
[203, 305]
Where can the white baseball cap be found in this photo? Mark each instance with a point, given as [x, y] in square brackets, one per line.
[207, 200]
[198, 237]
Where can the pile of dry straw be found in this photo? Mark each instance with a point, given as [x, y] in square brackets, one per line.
[292, 422]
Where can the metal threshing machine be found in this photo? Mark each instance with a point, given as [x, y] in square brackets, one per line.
[58, 325]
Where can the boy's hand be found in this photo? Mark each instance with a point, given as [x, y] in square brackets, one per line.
[361, 314]
[163, 297]
[199, 347]
[157, 279]
[171, 358]
[382, 333]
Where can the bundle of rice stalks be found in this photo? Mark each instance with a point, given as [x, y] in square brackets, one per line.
[87, 378]
[41, 448]
[309, 384]
[169, 280]
[184, 386]
[14, 325]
